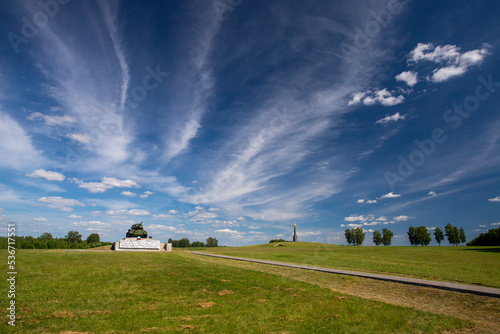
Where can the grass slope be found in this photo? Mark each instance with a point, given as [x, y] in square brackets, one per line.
[470, 265]
[110, 292]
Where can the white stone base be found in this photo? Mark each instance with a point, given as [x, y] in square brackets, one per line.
[143, 245]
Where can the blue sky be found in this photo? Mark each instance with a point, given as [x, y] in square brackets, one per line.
[236, 119]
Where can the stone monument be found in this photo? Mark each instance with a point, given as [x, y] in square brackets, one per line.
[137, 239]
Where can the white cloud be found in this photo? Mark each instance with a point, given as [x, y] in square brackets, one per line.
[432, 193]
[495, 224]
[51, 176]
[162, 216]
[137, 212]
[75, 217]
[105, 184]
[204, 216]
[161, 228]
[63, 204]
[114, 182]
[173, 212]
[391, 195]
[371, 201]
[254, 227]
[132, 212]
[409, 77]
[81, 138]
[307, 234]
[402, 218]
[360, 201]
[146, 194]
[482, 225]
[394, 118]
[213, 209]
[454, 62]
[16, 146]
[41, 219]
[353, 218]
[128, 193]
[382, 96]
[496, 199]
[64, 120]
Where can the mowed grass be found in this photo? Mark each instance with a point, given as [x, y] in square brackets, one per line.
[468, 265]
[109, 292]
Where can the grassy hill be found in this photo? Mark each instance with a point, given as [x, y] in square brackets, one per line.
[470, 265]
[131, 292]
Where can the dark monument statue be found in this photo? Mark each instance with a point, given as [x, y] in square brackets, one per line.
[136, 231]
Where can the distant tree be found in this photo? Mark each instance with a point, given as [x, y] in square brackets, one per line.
[349, 236]
[94, 237]
[412, 236]
[452, 234]
[184, 242]
[359, 236]
[438, 235]
[377, 238]
[276, 240]
[492, 238]
[170, 240]
[463, 238]
[73, 237]
[176, 243]
[46, 236]
[423, 237]
[387, 236]
[197, 244]
[212, 242]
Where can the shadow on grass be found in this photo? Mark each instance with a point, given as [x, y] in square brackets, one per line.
[485, 249]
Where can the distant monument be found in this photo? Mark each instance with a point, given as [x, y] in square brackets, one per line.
[136, 239]
[295, 232]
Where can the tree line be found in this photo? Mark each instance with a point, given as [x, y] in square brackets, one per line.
[184, 242]
[491, 238]
[73, 240]
[418, 236]
[421, 236]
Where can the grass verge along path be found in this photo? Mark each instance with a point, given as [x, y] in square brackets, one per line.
[468, 265]
[129, 292]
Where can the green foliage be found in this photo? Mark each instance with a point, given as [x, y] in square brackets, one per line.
[387, 236]
[419, 236]
[355, 236]
[93, 238]
[438, 235]
[197, 244]
[212, 242]
[47, 236]
[492, 238]
[349, 236]
[423, 236]
[276, 240]
[412, 236]
[377, 238]
[73, 237]
[463, 238]
[452, 234]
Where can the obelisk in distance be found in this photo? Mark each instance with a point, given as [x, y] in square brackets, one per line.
[294, 232]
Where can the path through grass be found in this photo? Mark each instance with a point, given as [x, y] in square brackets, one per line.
[108, 292]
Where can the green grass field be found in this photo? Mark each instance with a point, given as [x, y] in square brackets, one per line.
[469, 265]
[109, 292]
